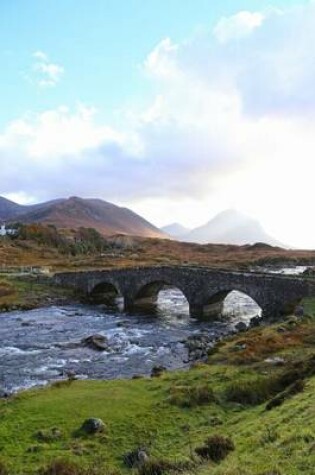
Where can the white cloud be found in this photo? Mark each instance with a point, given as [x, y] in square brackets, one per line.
[40, 55]
[45, 73]
[57, 133]
[160, 62]
[238, 26]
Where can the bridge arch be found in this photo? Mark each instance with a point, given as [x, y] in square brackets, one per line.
[105, 292]
[147, 294]
[210, 303]
[213, 305]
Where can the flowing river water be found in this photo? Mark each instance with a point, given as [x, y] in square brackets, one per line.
[43, 345]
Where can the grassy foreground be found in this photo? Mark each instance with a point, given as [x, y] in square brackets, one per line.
[175, 413]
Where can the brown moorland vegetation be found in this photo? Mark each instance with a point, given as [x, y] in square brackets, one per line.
[41, 245]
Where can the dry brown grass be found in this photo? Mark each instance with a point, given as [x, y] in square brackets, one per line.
[259, 344]
[143, 251]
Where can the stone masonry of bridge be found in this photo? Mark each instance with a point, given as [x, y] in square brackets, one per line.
[205, 289]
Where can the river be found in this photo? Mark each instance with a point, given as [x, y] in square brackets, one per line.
[43, 345]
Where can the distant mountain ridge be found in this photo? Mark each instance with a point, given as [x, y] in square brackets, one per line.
[9, 209]
[175, 230]
[229, 227]
[75, 212]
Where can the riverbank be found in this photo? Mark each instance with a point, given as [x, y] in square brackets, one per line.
[174, 414]
[18, 292]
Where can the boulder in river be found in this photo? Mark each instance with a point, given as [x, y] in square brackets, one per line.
[96, 342]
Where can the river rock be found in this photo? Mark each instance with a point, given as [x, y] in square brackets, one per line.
[70, 374]
[123, 324]
[157, 371]
[198, 346]
[241, 327]
[255, 321]
[309, 272]
[275, 361]
[96, 342]
[93, 426]
[4, 394]
[299, 311]
[26, 324]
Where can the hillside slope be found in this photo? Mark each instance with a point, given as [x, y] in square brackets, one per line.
[9, 209]
[75, 212]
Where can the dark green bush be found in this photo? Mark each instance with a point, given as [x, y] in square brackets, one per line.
[190, 396]
[287, 378]
[50, 435]
[163, 467]
[62, 467]
[3, 469]
[66, 467]
[261, 389]
[249, 392]
[154, 467]
[295, 388]
[216, 448]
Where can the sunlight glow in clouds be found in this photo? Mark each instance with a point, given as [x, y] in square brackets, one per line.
[230, 124]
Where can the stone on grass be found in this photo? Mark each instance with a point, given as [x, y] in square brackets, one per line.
[93, 425]
[136, 457]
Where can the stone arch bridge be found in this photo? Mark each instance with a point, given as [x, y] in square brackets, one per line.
[205, 289]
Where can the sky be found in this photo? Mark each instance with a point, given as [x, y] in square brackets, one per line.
[178, 109]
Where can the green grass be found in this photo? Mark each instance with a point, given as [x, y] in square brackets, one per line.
[140, 412]
[136, 413]
[27, 293]
[309, 306]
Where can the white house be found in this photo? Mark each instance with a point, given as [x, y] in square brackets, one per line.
[3, 231]
[7, 231]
